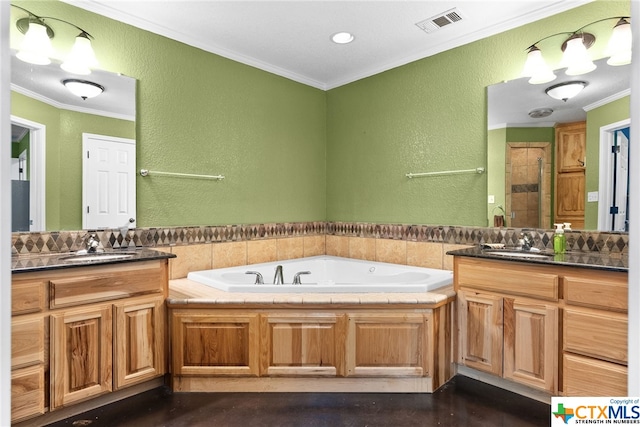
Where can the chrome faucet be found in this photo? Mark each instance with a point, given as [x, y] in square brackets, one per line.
[259, 279]
[278, 279]
[296, 277]
[525, 241]
[92, 243]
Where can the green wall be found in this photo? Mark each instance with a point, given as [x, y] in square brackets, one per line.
[607, 114]
[294, 153]
[429, 115]
[64, 130]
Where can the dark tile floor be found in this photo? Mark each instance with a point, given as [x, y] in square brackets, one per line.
[461, 402]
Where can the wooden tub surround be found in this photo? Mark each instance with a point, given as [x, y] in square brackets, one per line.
[244, 342]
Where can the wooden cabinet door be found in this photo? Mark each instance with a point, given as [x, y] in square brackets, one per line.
[480, 323]
[139, 341]
[393, 344]
[530, 344]
[27, 393]
[215, 344]
[570, 197]
[570, 173]
[571, 147]
[81, 355]
[302, 344]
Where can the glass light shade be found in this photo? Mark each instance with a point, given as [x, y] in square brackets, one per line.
[619, 47]
[576, 58]
[342, 37]
[83, 88]
[536, 67]
[36, 47]
[565, 90]
[82, 57]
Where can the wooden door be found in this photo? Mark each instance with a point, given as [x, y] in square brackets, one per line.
[531, 344]
[302, 344]
[571, 148]
[81, 356]
[139, 341]
[480, 323]
[391, 344]
[215, 344]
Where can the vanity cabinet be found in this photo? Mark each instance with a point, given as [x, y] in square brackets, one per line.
[595, 334]
[28, 349]
[508, 327]
[512, 315]
[84, 332]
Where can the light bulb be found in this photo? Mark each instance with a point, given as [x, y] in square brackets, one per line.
[36, 47]
[82, 57]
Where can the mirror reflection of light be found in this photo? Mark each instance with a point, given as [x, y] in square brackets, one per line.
[36, 47]
[83, 88]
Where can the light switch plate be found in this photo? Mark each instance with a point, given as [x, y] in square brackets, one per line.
[592, 196]
[491, 198]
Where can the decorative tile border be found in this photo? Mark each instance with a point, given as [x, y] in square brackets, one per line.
[65, 241]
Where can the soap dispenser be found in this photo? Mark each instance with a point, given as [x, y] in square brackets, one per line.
[559, 239]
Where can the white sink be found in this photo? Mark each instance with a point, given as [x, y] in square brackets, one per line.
[520, 254]
[95, 257]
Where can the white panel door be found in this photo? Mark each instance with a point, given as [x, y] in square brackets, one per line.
[109, 182]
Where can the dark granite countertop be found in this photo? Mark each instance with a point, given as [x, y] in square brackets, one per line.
[54, 261]
[594, 260]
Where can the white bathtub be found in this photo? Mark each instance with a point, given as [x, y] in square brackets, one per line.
[329, 274]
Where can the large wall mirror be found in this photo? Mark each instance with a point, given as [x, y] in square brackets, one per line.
[48, 123]
[538, 173]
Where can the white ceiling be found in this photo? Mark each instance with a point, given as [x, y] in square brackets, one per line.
[292, 38]
[510, 102]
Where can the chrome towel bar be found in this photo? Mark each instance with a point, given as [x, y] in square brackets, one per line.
[454, 172]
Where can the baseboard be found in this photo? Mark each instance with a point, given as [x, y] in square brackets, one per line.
[520, 389]
[70, 411]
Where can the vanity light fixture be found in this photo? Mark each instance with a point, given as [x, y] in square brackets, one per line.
[83, 88]
[342, 37]
[566, 90]
[36, 46]
[576, 57]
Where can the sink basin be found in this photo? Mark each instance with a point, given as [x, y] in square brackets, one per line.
[95, 257]
[520, 254]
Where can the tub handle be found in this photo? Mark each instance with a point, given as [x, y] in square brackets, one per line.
[296, 277]
[259, 279]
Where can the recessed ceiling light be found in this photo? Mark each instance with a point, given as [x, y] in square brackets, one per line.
[342, 37]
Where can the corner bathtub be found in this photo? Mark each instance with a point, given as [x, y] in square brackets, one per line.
[328, 274]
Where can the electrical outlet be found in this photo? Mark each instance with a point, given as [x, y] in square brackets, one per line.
[592, 196]
[491, 198]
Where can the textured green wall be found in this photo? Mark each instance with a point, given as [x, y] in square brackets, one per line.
[64, 130]
[204, 114]
[430, 115]
[295, 153]
[496, 161]
[610, 113]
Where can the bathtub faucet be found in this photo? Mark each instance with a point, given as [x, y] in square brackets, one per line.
[259, 279]
[296, 277]
[278, 279]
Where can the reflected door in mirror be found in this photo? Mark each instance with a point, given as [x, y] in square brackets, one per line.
[571, 149]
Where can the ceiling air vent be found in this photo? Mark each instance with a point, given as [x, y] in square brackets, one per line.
[436, 22]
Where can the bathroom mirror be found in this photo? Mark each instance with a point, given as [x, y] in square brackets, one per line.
[521, 123]
[48, 122]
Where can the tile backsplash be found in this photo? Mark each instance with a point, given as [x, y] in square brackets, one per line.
[65, 241]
